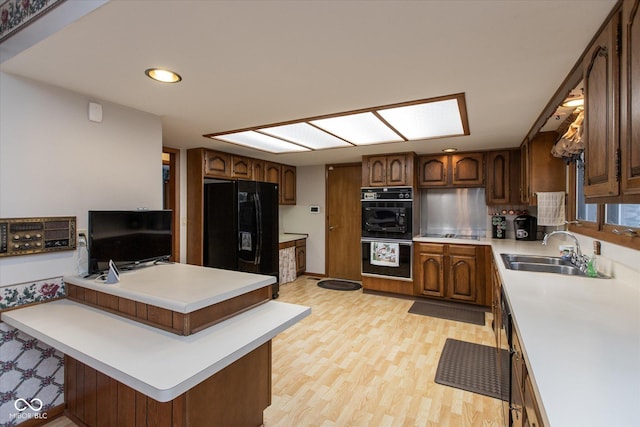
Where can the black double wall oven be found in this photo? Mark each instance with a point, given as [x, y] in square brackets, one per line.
[387, 232]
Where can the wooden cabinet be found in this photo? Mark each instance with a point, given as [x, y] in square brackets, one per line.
[287, 185]
[630, 101]
[502, 177]
[611, 70]
[450, 271]
[540, 170]
[272, 172]
[241, 167]
[433, 171]
[600, 133]
[301, 256]
[451, 170]
[429, 271]
[462, 281]
[258, 170]
[391, 170]
[216, 165]
[467, 169]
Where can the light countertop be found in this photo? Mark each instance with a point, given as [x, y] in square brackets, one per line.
[160, 364]
[290, 237]
[178, 287]
[581, 337]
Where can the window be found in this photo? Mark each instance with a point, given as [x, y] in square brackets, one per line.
[610, 222]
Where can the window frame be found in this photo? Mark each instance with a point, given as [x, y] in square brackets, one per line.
[598, 230]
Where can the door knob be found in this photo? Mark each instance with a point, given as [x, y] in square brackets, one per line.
[331, 227]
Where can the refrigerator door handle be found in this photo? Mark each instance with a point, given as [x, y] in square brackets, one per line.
[258, 228]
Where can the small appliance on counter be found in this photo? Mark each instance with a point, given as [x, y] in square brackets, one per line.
[499, 226]
[525, 227]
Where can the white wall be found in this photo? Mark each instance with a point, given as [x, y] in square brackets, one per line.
[55, 162]
[310, 191]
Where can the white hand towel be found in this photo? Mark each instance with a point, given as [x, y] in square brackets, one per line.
[551, 208]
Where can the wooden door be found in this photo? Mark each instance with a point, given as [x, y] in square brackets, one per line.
[462, 278]
[430, 271]
[630, 100]
[498, 173]
[467, 169]
[433, 171]
[343, 232]
[601, 115]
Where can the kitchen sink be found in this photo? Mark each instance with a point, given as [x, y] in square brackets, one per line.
[534, 259]
[542, 264]
[546, 268]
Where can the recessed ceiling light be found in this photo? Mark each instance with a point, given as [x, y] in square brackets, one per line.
[360, 129]
[422, 121]
[162, 75]
[262, 142]
[450, 150]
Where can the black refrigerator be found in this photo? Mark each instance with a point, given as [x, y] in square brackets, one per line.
[241, 227]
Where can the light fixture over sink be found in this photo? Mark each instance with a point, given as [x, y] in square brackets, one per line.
[408, 121]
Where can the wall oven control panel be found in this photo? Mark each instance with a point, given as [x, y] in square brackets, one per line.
[386, 193]
[26, 236]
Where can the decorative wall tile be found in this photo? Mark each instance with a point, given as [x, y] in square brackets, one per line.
[31, 373]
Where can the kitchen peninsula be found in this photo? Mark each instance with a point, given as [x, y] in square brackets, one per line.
[120, 369]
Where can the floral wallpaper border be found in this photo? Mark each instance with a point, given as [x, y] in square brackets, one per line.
[17, 14]
[31, 372]
[28, 293]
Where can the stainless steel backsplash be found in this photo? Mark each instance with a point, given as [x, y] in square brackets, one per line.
[453, 210]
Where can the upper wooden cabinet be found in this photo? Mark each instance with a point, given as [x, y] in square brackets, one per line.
[630, 101]
[601, 85]
[272, 172]
[467, 169]
[451, 170]
[540, 170]
[433, 171]
[241, 167]
[502, 177]
[388, 170]
[611, 69]
[216, 164]
[287, 185]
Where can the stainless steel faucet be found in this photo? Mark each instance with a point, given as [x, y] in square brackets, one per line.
[567, 233]
[580, 260]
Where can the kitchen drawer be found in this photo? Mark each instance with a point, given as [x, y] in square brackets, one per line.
[462, 250]
[433, 248]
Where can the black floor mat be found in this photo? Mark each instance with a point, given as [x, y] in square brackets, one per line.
[474, 367]
[339, 285]
[447, 311]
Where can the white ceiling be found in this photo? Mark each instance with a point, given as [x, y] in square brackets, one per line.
[252, 63]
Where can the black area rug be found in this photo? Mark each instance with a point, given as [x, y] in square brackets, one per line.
[474, 367]
[449, 311]
[339, 285]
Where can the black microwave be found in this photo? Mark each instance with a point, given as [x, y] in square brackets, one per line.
[383, 220]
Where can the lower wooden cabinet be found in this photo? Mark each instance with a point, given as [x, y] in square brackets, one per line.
[451, 271]
[301, 256]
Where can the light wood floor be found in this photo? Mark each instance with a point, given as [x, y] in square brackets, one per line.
[363, 360]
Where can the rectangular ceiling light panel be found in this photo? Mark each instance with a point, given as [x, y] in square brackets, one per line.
[359, 129]
[306, 135]
[261, 142]
[430, 120]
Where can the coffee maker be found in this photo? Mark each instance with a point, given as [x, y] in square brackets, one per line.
[525, 227]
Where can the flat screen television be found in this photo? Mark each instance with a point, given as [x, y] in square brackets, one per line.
[129, 238]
